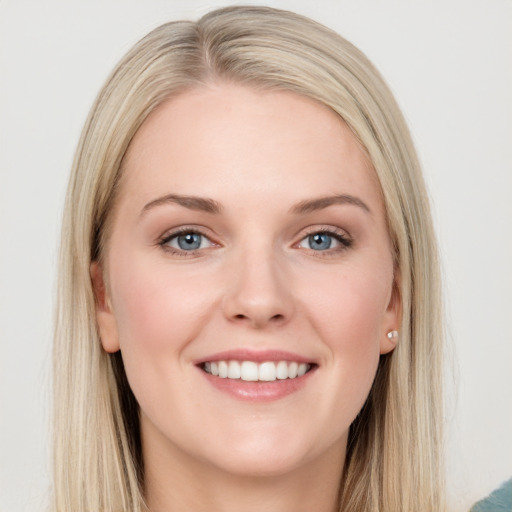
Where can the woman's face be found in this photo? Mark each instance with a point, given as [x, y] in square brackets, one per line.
[248, 239]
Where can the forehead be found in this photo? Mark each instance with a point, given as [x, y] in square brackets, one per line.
[218, 140]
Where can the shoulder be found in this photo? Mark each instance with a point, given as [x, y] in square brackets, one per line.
[499, 501]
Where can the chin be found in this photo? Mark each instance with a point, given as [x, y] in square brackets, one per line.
[260, 464]
[270, 452]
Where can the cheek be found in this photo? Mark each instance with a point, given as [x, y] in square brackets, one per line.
[157, 309]
[350, 306]
[158, 313]
[348, 310]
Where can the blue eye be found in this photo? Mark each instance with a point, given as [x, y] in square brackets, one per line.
[320, 241]
[189, 242]
[323, 241]
[185, 241]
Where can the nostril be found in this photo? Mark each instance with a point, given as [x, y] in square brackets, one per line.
[278, 318]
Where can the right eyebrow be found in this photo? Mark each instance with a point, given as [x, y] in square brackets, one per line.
[203, 204]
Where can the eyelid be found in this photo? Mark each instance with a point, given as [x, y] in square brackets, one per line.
[170, 234]
[325, 228]
[340, 235]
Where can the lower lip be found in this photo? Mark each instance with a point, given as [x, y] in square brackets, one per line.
[258, 391]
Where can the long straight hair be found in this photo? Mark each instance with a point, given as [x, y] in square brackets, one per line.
[394, 460]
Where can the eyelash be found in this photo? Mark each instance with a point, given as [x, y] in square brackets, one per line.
[340, 236]
[175, 234]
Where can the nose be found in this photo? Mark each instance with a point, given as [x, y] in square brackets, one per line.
[258, 292]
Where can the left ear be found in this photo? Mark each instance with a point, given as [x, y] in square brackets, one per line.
[392, 317]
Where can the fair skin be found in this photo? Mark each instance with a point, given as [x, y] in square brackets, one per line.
[260, 271]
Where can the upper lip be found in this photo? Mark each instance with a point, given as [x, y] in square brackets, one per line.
[258, 356]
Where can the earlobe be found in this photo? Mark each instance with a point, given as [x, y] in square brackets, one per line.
[390, 341]
[391, 335]
[105, 319]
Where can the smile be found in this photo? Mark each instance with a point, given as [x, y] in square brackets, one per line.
[252, 371]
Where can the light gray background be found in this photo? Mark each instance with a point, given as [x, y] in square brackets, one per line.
[450, 66]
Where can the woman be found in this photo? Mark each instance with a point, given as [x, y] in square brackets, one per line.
[249, 303]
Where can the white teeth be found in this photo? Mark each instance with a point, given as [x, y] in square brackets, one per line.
[301, 370]
[223, 369]
[282, 370]
[251, 371]
[234, 371]
[267, 371]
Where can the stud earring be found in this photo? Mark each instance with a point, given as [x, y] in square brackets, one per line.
[392, 336]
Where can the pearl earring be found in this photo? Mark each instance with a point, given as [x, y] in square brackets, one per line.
[392, 336]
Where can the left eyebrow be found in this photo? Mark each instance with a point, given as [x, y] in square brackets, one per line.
[320, 203]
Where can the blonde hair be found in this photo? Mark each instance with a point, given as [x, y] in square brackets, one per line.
[394, 452]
